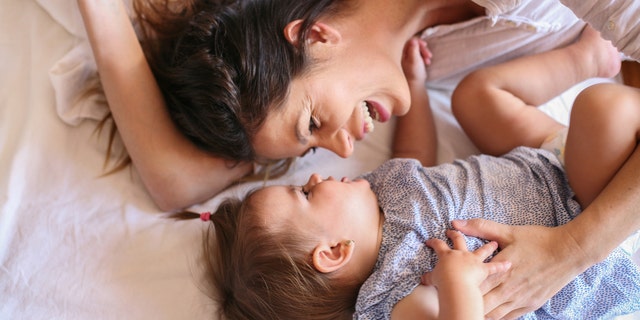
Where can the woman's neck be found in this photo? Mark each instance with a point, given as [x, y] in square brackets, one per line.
[439, 12]
[392, 23]
[412, 16]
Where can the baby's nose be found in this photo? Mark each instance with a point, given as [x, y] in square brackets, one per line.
[313, 180]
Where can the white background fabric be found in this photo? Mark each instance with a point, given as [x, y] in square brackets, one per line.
[78, 245]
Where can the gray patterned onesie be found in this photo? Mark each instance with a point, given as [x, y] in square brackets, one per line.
[526, 186]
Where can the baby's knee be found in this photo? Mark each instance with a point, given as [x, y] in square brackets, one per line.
[469, 94]
[607, 99]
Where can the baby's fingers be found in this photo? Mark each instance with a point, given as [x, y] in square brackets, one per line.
[486, 250]
[412, 50]
[438, 245]
[497, 267]
[457, 237]
[425, 52]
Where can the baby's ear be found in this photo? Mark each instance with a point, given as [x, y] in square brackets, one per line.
[327, 258]
[319, 33]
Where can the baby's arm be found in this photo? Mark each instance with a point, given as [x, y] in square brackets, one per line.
[452, 290]
[175, 172]
[458, 275]
[415, 133]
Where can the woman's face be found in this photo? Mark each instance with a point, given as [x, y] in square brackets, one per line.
[335, 104]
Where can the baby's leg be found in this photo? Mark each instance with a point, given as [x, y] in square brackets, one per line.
[497, 106]
[603, 133]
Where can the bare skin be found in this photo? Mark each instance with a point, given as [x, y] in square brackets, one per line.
[162, 156]
[415, 133]
[515, 89]
[603, 134]
[604, 112]
[458, 276]
[175, 172]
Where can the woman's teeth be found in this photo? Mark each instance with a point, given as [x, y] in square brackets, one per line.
[368, 119]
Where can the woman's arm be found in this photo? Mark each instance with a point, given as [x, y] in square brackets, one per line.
[415, 132]
[175, 172]
[562, 252]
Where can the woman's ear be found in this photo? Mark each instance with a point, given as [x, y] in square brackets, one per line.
[328, 258]
[319, 33]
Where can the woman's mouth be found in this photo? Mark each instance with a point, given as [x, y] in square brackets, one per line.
[369, 115]
[372, 110]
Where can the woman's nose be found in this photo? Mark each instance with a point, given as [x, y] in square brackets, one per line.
[341, 143]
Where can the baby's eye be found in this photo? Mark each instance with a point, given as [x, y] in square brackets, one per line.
[306, 193]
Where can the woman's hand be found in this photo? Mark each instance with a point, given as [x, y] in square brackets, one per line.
[543, 261]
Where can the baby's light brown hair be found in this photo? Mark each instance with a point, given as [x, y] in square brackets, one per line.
[255, 272]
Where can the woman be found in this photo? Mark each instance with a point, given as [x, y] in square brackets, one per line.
[169, 165]
[178, 173]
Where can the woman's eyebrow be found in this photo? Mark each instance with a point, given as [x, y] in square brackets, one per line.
[299, 135]
[302, 137]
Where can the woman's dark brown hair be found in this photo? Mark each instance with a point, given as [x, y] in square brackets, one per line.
[222, 66]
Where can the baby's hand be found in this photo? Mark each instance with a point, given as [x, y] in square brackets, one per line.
[458, 266]
[415, 58]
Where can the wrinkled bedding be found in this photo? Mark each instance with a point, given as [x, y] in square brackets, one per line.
[77, 244]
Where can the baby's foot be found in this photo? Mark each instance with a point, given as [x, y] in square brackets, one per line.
[415, 58]
[599, 53]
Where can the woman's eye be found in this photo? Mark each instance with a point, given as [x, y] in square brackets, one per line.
[314, 124]
[311, 150]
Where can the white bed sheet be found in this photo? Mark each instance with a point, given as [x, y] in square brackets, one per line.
[78, 245]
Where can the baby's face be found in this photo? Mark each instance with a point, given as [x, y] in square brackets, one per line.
[340, 210]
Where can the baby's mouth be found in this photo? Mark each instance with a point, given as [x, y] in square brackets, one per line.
[370, 114]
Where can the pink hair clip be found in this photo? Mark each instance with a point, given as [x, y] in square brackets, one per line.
[205, 216]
